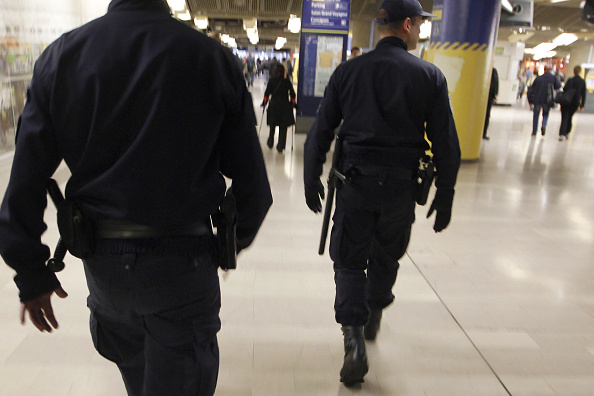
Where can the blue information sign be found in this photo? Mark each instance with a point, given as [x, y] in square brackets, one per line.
[326, 14]
[324, 35]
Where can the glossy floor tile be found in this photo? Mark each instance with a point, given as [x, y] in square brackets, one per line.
[501, 303]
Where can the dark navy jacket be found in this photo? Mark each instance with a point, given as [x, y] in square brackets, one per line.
[579, 85]
[541, 85]
[148, 115]
[387, 100]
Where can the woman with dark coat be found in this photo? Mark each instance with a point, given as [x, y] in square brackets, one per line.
[280, 110]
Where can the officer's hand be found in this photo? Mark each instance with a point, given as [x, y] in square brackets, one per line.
[314, 193]
[40, 310]
[442, 204]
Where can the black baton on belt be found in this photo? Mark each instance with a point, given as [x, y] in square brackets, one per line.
[56, 263]
[225, 221]
[333, 177]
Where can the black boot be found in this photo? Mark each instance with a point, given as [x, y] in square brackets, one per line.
[270, 141]
[355, 358]
[373, 324]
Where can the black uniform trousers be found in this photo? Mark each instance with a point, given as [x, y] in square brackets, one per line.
[156, 317]
[282, 137]
[567, 113]
[371, 231]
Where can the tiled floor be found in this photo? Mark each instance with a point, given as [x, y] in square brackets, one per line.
[500, 303]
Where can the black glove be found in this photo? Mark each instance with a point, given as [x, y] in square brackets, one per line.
[295, 106]
[442, 204]
[314, 193]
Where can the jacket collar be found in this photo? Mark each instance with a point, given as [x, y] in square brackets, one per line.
[392, 41]
[138, 5]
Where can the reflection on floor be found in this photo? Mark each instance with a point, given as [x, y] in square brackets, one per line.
[500, 303]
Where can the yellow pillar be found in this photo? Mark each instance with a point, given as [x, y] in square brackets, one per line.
[463, 36]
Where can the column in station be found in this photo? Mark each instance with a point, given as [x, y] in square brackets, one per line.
[462, 40]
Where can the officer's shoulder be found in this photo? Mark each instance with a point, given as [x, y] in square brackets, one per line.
[426, 67]
[356, 64]
[199, 43]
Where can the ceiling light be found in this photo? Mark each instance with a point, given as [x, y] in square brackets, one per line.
[558, 1]
[565, 39]
[507, 6]
[201, 22]
[294, 24]
[225, 38]
[185, 16]
[425, 30]
[232, 42]
[280, 42]
[252, 34]
[542, 55]
[251, 23]
[177, 5]
[541, 48]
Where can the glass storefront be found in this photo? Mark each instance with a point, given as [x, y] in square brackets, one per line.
[26, 29]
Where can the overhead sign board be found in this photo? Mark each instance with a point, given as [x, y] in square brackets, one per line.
[324, 35]
[326, 14]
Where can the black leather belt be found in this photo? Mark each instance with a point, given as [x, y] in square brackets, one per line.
[120, 229]
[376, 170]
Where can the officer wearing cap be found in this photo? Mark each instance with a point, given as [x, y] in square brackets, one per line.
[149, 115]
[387, 100]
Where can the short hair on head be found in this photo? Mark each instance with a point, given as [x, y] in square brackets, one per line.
[548, 68]
[577, 70]
[390, 27]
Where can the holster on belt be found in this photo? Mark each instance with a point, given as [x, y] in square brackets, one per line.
[225, 221]
[425, 177]
[76, 230]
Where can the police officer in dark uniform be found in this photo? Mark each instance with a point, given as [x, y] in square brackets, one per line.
[387, 100]
[149, 115]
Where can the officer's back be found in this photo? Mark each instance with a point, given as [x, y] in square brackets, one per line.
[157, 92]
[149, 115]
[386, 95]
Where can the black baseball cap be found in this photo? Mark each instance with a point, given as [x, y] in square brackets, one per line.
[399, 10]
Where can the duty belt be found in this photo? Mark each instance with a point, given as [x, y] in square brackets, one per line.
[376, 170]
[121, 229]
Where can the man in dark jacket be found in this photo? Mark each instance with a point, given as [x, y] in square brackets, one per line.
[149, 115]
[540, 91]
[575, 86]
[493, 92]
[386, 99]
